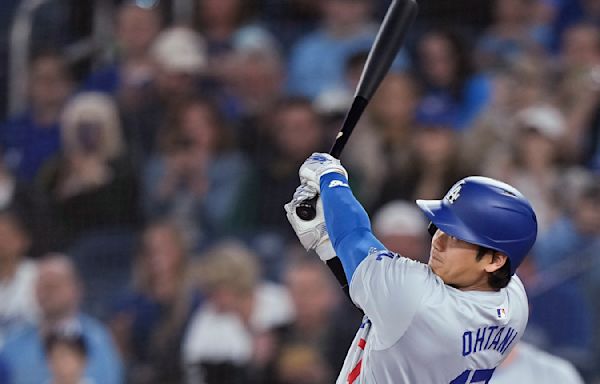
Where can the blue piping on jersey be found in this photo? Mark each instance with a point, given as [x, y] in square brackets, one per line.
[347, 223]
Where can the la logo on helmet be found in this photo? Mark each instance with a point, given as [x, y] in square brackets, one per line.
[454, 193]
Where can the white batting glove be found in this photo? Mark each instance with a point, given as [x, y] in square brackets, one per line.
[312, 234]
[317, 165]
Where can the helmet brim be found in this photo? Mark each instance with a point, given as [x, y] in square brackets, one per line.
[443, 218]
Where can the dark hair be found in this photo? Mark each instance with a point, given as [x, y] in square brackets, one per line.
[246, 11]
[16, 217]
[74, 340]
[292, 101]
[460, 47]
[171, 137]
[53, 55]
[499, 278]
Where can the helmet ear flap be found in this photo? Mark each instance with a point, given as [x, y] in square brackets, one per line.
[432, 228]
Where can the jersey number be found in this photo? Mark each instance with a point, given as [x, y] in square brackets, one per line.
[479, 376]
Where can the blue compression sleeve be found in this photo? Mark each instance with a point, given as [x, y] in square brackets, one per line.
[347, 223]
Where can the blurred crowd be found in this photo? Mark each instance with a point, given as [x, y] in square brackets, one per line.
[142, 231]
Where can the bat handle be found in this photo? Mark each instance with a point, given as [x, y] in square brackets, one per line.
[307, 210]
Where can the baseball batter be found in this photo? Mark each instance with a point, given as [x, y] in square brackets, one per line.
[453, 320]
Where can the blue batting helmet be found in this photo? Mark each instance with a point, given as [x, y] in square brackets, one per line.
[488, 213]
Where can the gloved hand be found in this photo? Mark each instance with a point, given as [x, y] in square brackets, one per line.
[312, 234]
[317, 165]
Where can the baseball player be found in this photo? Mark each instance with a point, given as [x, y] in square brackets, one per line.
[453, 320]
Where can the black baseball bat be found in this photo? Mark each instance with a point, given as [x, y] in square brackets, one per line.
[398, 19]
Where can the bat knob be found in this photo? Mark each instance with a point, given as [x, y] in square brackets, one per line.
[307, 209]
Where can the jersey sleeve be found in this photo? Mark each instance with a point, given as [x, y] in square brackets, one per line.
[390, 289]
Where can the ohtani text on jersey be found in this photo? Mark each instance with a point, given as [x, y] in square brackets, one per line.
[491, 337]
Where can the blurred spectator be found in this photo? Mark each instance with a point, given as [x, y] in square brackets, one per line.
[572, 12]
[302, 363]
[31, 207]
[256, 79]
[446, 70]
[229, 339]
[578, 93]
[4, 372]
[198, 178]
[67, 356]
[525, 83]
[383, 135]
[575, 236]
[317, 60]
[510, 36]
[7, 11]
[533, 165]
[91, 185]
[402, 228]
[453, 13]
[148, 322]
[333, 103]
[59, 294]
[569, 249]
[434, 161]
[179, 56]
[29, 139]
[136, 28]
[222, 23]
[527, 365]
[561, 320]
[290, 20]
[591, 145]
[295, 132]
[258, 74]
[313, 346]
[17, 275]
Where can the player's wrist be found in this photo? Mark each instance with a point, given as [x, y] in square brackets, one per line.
[325, 250]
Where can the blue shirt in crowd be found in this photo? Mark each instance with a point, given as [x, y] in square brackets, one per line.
[318, 61]
[25, 358]
[106, 79]
[26, 145]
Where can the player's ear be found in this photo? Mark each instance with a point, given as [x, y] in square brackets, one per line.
[497, 261]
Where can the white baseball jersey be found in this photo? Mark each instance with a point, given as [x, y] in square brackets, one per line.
[418, 330]
[531, 365]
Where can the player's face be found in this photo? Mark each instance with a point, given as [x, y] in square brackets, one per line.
[455, 262]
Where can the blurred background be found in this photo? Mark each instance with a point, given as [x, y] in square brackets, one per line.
[147, 148]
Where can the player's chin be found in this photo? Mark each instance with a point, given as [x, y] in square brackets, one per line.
[433, 264]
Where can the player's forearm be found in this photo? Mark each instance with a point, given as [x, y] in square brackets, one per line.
[347, 223]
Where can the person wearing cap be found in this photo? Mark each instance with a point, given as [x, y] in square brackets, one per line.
[402, 229]
[532, 164]
[180, 56]
[453, 320]
[180, 62]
